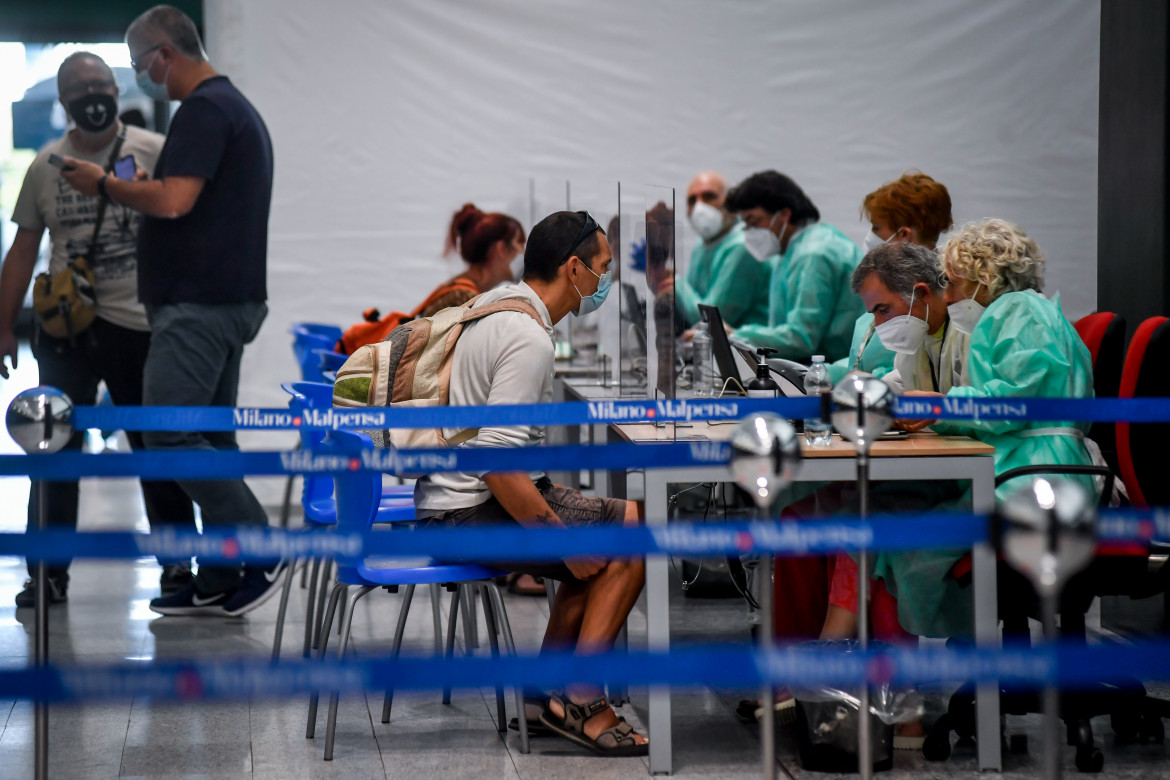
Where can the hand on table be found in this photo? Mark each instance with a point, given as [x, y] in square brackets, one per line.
[912, 426]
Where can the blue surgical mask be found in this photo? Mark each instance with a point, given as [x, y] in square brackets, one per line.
[151, 89]
[594, 301]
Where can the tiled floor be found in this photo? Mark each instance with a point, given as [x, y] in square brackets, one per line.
[106, 620]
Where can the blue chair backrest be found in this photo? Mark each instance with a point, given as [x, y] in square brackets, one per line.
[304, 346]
[311, 395]
[329, 331]
[358, 493]
[328, 360]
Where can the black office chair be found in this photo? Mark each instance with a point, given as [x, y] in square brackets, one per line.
[1116, 570]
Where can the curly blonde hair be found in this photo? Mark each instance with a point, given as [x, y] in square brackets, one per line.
[996, 253]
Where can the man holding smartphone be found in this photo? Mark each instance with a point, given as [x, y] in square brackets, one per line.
[114, 347]
[202, 273]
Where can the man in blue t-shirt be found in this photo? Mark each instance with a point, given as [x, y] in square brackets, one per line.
[202, 251]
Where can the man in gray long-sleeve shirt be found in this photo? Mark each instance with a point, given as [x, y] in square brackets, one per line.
[507, 358]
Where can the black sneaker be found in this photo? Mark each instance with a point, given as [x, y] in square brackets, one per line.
[257, 585]
[58, 591]
[175, 577]
[190, 601]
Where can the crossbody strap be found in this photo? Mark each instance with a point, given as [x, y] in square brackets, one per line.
[103, 202]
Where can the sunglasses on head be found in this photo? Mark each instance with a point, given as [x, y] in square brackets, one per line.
[586, 230]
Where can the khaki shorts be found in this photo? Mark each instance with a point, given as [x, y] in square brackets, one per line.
[574, 509]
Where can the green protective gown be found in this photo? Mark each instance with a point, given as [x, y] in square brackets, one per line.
[866, 353]
[1023, 346]
[811, 308]
[725, 275]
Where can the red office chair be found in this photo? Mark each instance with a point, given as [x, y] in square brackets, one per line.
[1104, 335]
[1140, 457]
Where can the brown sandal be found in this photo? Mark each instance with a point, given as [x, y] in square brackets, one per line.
[617, 740]
[535, 588]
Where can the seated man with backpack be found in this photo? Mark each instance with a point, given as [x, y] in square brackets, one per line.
[504, 355]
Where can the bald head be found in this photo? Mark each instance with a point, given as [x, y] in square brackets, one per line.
[708, 187]
[81, 70]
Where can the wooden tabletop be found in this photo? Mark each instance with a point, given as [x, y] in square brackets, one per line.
[923, 444]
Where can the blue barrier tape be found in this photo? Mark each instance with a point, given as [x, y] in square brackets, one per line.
[512, 543]
[178, 418]
[175, 418]
[1068, 666]
[485, 544]
[226, 464]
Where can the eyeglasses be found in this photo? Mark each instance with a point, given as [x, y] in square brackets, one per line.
[136, 61]
[586, 230]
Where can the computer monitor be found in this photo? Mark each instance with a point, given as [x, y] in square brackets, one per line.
[788, 374]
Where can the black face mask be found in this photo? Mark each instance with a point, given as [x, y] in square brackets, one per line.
[94, 113]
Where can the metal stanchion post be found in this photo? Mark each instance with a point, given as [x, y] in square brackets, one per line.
[863, 410]
[764, 451]
[1047, 531]
[41, 641]
[40, 421]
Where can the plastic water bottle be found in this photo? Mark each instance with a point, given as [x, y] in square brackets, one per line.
[817, 384]
[703, 358]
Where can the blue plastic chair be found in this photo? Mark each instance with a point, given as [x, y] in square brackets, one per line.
[396, 505]
[329, 361]
[357, 501]
[310, 336]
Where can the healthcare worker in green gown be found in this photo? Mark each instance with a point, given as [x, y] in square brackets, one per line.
[811, 310]
[721, 273]
[1020, 345]
[915, 209]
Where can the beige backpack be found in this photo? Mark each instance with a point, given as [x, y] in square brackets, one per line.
[412, 368]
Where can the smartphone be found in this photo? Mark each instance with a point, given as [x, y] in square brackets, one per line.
[57, 161]
[125, 168]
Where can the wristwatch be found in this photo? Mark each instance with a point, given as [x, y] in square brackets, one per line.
[101, 186]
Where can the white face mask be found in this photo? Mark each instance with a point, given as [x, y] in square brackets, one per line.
[707, 220]
[965, 314]
[905, 333]
[761, 242]
[517, 267]
[872, 241]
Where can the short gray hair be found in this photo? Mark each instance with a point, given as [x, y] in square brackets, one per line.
[171, 25]
[74, 59]
[900, 265]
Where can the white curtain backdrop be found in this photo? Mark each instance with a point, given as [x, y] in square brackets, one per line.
[387, 116]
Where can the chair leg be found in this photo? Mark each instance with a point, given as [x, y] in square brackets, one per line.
[286, 504]
[506, 629]
[436, 592]
[489, 614]
[310, 616]
[451, 625]
[322, 589]
[339, 590]
[618, 693]
[407, 597]
[470, 624]
[278, 636]
[346, 630]
[550, 591]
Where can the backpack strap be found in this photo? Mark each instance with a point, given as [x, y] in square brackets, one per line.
[478, 313]
[507, 304]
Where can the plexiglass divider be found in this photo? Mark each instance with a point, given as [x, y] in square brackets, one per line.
[632, 337]
[663, 350]
[594, 337]
[545, 197]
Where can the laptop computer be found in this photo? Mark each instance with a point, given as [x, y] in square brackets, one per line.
[738, 359]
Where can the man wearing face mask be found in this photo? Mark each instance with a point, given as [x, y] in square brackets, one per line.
[904, 288]
[201, 274]
[721, 273]
[114, 347]
[811, 310]
[507, 358]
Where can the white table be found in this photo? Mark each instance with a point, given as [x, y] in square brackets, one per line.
[916, 457]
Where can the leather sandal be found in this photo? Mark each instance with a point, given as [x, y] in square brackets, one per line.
[534, 708]
[617, 740]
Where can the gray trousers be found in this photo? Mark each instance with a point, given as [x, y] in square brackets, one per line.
[194, 360]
